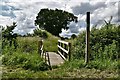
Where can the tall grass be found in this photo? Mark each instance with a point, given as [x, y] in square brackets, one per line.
[26, 55]
[28, 44]
[26, 61]
[50, 44]
[104, 45]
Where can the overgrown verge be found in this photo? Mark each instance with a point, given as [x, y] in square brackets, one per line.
[26, 61]
[26, 55]
[73, 69]
[104, 44]
[104, 56]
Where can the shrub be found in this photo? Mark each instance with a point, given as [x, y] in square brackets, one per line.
[26, 61]
[44, 35]
[104, 46]
[103, 43]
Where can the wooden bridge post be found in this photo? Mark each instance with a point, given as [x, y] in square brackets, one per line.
[47, 55]
[40, 44]
[69, 46]
[87, 38]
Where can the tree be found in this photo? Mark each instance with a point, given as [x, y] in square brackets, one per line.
[54, 20]
[9, 36]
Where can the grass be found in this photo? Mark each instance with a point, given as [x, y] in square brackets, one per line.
[68, 70]
[50, 44]
[26, 57]
[13, 72]
[31, 43]
[25, 62]
[28, 44]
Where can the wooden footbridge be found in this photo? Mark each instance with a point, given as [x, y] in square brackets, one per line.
[52, 58]
[63, 53]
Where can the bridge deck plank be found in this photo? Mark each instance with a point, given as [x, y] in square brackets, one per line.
[55, 59]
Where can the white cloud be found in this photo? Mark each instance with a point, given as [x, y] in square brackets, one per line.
[24, 12]
[73, 27]
[100, 11]
[4, 20]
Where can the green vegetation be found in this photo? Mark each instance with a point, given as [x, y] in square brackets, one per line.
[49, 41]
[40, 33]
[104, 47]
[26, 62]
[54, 20]
[68, 70]
[8, 36]
[27, 55]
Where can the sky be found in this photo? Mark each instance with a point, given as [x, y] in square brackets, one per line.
[24, 12]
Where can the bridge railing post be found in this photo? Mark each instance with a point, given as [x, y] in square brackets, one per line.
[48, 60]
[69, 49]
[40, 47]
[65, 47]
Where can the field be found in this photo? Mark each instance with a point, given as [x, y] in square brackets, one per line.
[25, 62]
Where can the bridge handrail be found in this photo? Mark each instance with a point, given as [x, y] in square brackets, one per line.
[63, 42]
[43, 53]
[64, 49]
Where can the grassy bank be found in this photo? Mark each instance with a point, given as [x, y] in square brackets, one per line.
[68, 70]
[104, 58]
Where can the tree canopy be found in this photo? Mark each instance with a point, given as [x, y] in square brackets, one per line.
[9, 36]
[54, 20]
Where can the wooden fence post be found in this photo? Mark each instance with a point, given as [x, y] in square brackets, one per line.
[87, 38]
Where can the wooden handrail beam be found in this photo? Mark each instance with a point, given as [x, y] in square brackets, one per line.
[63, 49]
[61, 55]
[63, 42]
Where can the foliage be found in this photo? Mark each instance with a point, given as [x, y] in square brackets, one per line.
[50, 44]
[103, 63]
[73, 36]
[49, 41]
[28, 44]
[26, 55]
[15, 72]
[8, 36]
[78, 48]
[73, 69]
[40, 33]
[26, 61]
[54, 20]
[104, 43]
